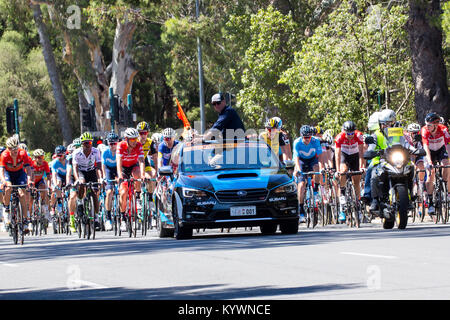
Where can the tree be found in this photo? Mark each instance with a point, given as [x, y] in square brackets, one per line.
[428, 68]
[357, 51]
[47, 50]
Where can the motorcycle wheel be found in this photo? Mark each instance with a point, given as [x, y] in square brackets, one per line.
[402, 199]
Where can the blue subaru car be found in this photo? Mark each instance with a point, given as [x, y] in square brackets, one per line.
[225, 185]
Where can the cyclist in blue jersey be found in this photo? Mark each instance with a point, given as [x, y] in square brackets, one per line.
[166, 147]
[109, 170]
[58, 168]
[307, 157]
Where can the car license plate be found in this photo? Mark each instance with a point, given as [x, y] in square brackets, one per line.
[243, 211]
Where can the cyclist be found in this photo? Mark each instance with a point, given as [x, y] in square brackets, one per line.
[70, 180]
[166, 147]
[41, 169]
[307, 157]
[415, 139]
[149, 148]
[435, 140]
[349, 156]
[273, 137]
[130, 162]
[86, 163]
[157, 138]
[59, 170]
[15, 169]
[109, 169]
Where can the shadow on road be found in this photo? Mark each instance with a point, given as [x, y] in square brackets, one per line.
[209, 292]
[51, 247]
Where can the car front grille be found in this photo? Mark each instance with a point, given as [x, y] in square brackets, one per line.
[238, 195]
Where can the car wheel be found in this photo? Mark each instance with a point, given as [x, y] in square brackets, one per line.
[268, 228]
[289, 227]
[181, 232]
[162, 232]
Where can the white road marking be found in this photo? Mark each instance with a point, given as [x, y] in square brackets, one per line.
[369, 255]
[8, 265]
[88, 284]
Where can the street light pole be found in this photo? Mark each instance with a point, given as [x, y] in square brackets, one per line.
[200, 73]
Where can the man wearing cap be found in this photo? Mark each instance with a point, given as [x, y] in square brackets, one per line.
[228, 117]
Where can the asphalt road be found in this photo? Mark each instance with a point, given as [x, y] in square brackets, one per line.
[325, 263]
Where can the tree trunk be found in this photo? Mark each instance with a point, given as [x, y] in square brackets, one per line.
[123, 70]
[428, 68]
[50, 62]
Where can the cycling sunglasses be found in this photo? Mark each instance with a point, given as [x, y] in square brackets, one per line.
[87, 143]
[60, 155]
[132, 139]
[142, 133]
[307, 137]
[113, 143]
[349, 133]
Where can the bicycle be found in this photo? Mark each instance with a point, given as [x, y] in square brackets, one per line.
[331, 195]
[312, 204]
[86, 211]
[147, 210]
[16, 224]
[439, 194]
[419, 201]
[352, 206]
[38, 220]
[131, 215]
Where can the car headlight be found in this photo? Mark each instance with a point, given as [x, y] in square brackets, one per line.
[190, 193]
[287, 188]
[398, 159]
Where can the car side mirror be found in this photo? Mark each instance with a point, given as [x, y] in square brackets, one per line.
[165, 171]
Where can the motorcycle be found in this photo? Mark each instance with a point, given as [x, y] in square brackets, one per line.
[397, 169]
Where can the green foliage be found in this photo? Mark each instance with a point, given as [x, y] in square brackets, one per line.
[349, 58]
[25, 78]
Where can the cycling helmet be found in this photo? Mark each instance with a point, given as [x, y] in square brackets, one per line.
[442, 121]
[349, 126]
[386, 116]
[87, 136]
[23, 146]
[280, 122]
[71, 148]
[432, 117]
[157, 137]
[38, 153]
[306, 131]
[13, 142]
[328, 137]
[318, 130]
[77, 143]
[143, 126]
[414, 127]
[273, 123]
[168, 133]
[329, 132]
[190, 135]
[112, 137]
[131, 133]
[60, 150]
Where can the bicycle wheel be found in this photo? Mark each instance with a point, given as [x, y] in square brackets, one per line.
[437, 204]
[92, 215]
[21, 223]
[444, 202]
[13, 223]
[415, 211]
[322, 207]
[144, 214]
[333, 204]
[135, 219]
[356, 208]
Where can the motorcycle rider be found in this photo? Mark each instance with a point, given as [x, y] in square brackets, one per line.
[378, 182]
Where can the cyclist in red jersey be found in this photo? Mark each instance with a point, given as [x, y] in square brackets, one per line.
[349, 156]
[435, 141]
[41, 168]
[130, 162]
[15, 169]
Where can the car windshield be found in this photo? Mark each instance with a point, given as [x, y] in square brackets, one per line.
[209, 157]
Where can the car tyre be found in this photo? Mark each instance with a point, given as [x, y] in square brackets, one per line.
[162, 232]
[289, 227]
[180, 232]
[268, 228]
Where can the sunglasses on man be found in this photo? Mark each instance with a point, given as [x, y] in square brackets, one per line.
[143, 133]
[216, 103]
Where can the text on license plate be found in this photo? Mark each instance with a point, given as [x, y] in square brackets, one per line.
[243, 211]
